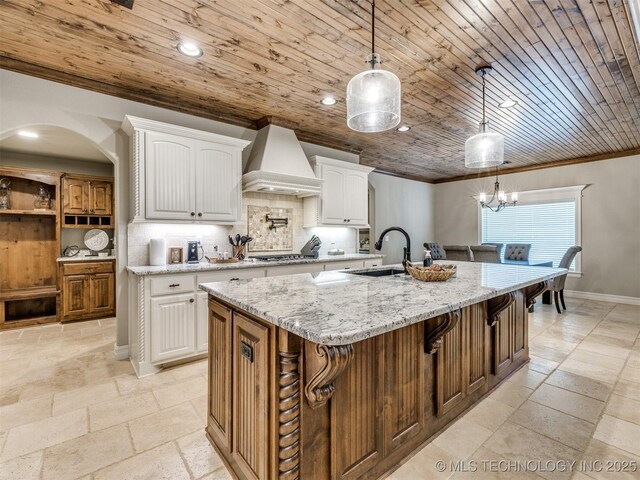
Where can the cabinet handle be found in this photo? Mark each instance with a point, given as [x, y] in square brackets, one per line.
[193, 214]
[174, 285]
[199, 214]
[234, 278]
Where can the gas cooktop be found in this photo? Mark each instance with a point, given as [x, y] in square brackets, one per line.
[279, 258]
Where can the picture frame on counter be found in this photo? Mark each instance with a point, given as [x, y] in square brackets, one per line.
[175, 255]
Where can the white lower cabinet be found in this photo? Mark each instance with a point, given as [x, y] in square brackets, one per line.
[172, 327]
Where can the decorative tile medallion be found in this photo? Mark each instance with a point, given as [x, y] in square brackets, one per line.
[266, 239]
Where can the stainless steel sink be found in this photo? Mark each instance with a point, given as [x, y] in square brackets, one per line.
[387, 272]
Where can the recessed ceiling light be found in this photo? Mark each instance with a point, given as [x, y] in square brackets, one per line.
[28, 134]
[508, 103]
[328, 101]
[403, 128]
[189, 49]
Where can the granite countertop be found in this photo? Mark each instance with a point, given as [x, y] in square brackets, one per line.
[91, 258]
[204, 266]
[336, 308]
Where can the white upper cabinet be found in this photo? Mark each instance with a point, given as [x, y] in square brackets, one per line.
[344, 199]
[184, 174]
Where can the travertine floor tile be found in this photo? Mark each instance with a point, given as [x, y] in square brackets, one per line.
[619, 433]
[87, 454]
[602, 461]
[129, 384]
[596, 372]
[570, 431]
[219, 474]
[121, 410]
[182, 372]
[44, 433]
[161, 463]
[26, 467]
[200, 404]
[462, 438]
[83, 397]
[485, 464]
[517, 443]
[597, 359]
[542, 365]
[580, 384]
[19, 413]
[627, 389]
[630, 374]
[624, 408]
[490, 413]
[527, 378]
[180, 392]
[511, 394]
[163, 426]
[200, 456]
[580, 406]
[423, 465]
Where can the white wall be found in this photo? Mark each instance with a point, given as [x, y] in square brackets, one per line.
[407, 204]
[610, 218]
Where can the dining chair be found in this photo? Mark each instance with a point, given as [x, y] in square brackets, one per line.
[457, 252]
[437, 252]
[499, 245]
[557, 284]
[485, 253]
[517, 251]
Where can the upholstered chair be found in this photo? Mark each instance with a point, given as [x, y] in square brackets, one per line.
[437, 253]
[517, 251]
[499, 245]
[485, 253]
[557, 285]
[457, 252]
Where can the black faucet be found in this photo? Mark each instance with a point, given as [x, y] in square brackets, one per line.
[407, 250]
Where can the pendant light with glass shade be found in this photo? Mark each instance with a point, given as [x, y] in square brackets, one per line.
[484, 149]
[373, 96]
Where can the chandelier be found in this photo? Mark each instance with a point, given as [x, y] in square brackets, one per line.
[499, 196]
[373, 96]
[484, 149]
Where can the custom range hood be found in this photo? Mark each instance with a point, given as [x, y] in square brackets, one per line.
[277, 164]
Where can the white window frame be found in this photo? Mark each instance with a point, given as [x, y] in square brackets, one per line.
[550, 195]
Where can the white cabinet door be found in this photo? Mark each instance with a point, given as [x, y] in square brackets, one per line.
[333, 200]
[356, 194]
[202, 322]
[170, 176]
[172, 327]
[218, 182]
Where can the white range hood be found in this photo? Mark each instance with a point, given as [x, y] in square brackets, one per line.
[277, 164]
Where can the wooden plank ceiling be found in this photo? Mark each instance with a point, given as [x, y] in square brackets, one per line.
[573, 65]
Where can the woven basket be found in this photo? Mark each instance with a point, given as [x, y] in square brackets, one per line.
[425, 274]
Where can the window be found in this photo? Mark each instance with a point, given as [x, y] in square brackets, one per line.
[547, 219]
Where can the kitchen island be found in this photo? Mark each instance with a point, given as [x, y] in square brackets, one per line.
[341, 376]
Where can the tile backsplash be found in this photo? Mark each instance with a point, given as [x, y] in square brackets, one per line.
[177, 235]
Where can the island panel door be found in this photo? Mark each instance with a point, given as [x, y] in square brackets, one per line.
[503, 340]
[250, 446]
[404, 391]
[357, 440]
[219, 408]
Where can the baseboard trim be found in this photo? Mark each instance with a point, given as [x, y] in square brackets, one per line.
[120, 352]
[602, 297]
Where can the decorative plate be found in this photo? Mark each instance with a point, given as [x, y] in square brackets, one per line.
[96, 239]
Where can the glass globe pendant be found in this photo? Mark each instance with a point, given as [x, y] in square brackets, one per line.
[484, 149]
[373, 96]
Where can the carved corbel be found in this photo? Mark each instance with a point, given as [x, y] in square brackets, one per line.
[532, 291]
[433, 337]
[324, 364]
[497, 305]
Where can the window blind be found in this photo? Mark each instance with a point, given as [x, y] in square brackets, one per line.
[550, 228]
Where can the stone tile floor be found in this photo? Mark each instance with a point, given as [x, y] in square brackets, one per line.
[68, 410]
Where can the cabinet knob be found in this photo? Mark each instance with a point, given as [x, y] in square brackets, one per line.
[348, 219]
[193, 214]
[191, 300]
[199, 214]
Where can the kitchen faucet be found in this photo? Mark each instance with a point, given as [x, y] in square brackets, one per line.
[407, 249]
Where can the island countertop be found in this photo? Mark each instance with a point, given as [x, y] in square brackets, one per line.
[336, 308]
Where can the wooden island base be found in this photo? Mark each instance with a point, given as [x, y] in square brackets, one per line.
[281, 407]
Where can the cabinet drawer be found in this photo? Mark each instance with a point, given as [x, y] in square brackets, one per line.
[376, 262]
[346, 265]
[224, 275]
[84, 268]
[168, 284]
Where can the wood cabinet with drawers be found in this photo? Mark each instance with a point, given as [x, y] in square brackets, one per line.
[88, 289]
[87, 202]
